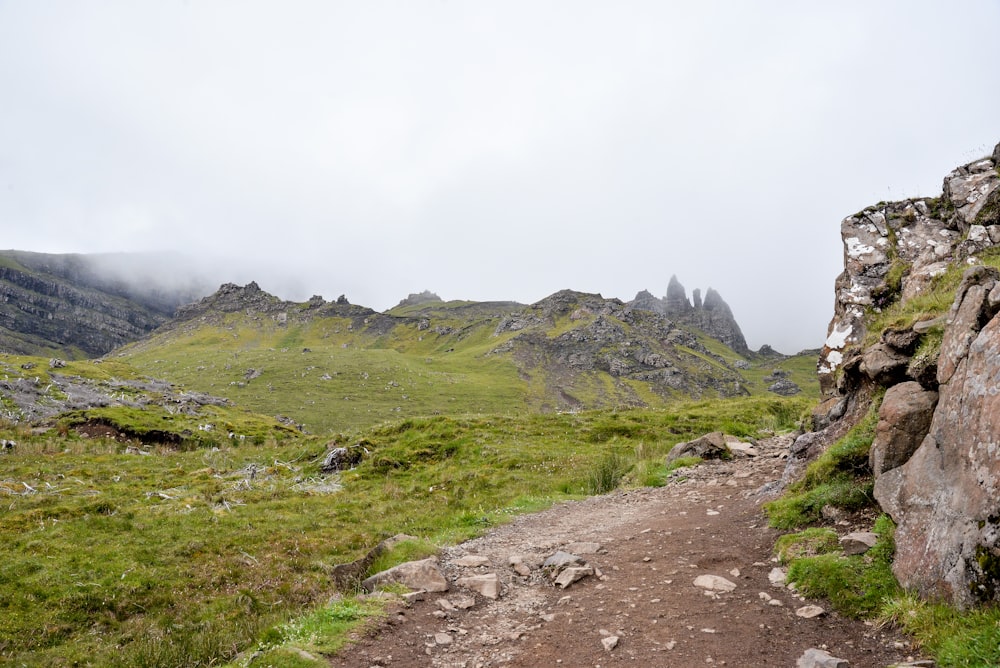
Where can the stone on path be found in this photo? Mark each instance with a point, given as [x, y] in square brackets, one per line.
[777, 577]
[486, 585]
[818, 658]
[423, 574]
[610, 642]
[519, 565]
[570, 575]
[442, 638]
[810, 612]
[561, 560]
[714, 583]
[472, 561]
[858, 542]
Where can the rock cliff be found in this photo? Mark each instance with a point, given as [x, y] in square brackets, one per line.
[916, 317]
[64, 305]
[711, 315]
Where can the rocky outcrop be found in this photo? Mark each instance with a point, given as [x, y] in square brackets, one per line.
[711, 315]
[934, 455]
[893, 251]
[605, 335]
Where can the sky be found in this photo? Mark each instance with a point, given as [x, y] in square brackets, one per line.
[489, 150]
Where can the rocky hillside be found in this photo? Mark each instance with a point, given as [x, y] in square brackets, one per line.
[916, 319]
[336, 364]
[73, 306]
[711, 315]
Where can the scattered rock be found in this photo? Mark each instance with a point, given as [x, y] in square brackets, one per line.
[609, 642]
[519, 565]
[572, 574]
[810, 612]
[709, 446]
[583, 548]
[486, 585]
[443, 638]
[777, 577]
[472, 561]
[819, 658]
[858, 542]
[424, 574]
[714, 583]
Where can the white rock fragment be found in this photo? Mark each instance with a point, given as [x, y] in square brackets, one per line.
[714, 583]
[818, 658]
[777, 576]
[810, 612]
[472, 561]
[609, 643]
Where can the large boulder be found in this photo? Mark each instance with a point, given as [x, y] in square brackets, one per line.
[946, 499]
[903, 421]
[709, 446]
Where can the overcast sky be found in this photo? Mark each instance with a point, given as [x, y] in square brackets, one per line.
[490, 150]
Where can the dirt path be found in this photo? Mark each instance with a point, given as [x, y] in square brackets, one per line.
[653, 544]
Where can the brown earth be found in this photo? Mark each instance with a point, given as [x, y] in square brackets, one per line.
[654, 543]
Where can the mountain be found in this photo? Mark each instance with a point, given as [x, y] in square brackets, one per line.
[77, 306]
[911, 366]
[712, 316]
[336, 365]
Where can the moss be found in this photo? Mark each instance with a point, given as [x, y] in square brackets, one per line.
[985, 586]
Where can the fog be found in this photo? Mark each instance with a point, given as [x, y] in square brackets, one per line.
[489, 150]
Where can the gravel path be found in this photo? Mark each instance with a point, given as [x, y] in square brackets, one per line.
[641, 606]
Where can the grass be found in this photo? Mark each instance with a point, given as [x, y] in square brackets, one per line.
[334, 373]
[927, 305]
[956, 639]
[197, 556]
[857, 586]
[840, 477]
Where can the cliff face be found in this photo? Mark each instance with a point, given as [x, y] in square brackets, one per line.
[63, 305]
[935, 454]
[712, 316]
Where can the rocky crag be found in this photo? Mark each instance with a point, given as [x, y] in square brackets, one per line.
[934, 457]
[711, 315]
[68, 306]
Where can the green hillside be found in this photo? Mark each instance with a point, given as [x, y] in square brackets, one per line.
[338, 367]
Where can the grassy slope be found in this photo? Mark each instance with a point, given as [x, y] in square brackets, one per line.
[350, 378]
[189, 556]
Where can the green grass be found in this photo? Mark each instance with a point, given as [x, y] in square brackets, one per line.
[857, 586]
[191, 557]
[840, 477]
[956, 639]
[927, 305]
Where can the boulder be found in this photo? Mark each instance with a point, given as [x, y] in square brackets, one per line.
[784, 388]
[418, 575]
[858, 542]
[709, 446]
[884, 364]
[903, 421]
